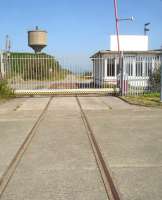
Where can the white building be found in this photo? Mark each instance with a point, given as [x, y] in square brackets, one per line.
[138, 61]
[129, 43]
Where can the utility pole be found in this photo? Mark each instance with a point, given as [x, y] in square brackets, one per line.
[118, 43]
[117, 19]
[117, 24]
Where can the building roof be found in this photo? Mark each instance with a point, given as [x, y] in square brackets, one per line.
[108, 52]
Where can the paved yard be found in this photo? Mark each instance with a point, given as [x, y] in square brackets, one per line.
[59, 162]
[130, 138]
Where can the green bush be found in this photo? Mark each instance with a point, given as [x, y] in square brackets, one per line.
[5, 90]
[155, 79]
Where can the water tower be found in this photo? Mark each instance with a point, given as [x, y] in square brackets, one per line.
[37, 39]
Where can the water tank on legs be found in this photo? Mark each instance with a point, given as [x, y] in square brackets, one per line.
[37, 39]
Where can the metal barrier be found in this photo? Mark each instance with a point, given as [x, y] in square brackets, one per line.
[137, 74]
[44, 74]
[141, 75]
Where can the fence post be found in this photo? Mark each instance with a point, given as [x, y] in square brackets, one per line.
[121, 73]
[161, 79]
[2, 72]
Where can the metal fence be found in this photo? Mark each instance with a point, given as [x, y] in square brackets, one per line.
[141, 74]
[134, 75]
[41, 73]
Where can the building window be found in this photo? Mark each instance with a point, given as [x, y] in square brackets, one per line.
[139, 68]
[111, 67]
[148, 68]
[118, 68]
[129, 69]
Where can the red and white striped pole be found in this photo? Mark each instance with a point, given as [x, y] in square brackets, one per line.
[117, 24]
[118, 43]
[117, 19]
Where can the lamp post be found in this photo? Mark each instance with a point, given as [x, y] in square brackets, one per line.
[117, 19]
[117, 24]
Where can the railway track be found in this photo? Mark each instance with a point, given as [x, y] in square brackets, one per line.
[111, 190]
[15, 161]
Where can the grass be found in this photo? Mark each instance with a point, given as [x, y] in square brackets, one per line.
[152, 99]
[5, 91]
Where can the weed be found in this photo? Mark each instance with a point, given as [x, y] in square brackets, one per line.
[5, 90]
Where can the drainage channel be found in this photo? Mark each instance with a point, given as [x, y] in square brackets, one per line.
[14, 163]
[111, 190]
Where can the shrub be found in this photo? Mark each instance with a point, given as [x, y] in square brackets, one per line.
[5, 90]
[155, 79]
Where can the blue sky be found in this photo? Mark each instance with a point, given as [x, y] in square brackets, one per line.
[77, 28]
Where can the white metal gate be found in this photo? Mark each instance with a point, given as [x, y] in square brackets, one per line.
[44, 74]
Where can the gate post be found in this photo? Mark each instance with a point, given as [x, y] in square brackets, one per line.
[121, 63]
[2, 72]
[161, 79]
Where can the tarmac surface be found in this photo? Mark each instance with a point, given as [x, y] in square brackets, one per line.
[59, 162]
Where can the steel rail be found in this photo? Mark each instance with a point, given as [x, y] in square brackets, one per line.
[111, 190]
[4, 181]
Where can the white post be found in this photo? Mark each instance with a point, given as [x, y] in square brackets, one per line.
[2, 65]
[161, 79]
[105, 68]
[115, 69]
[121, 72]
